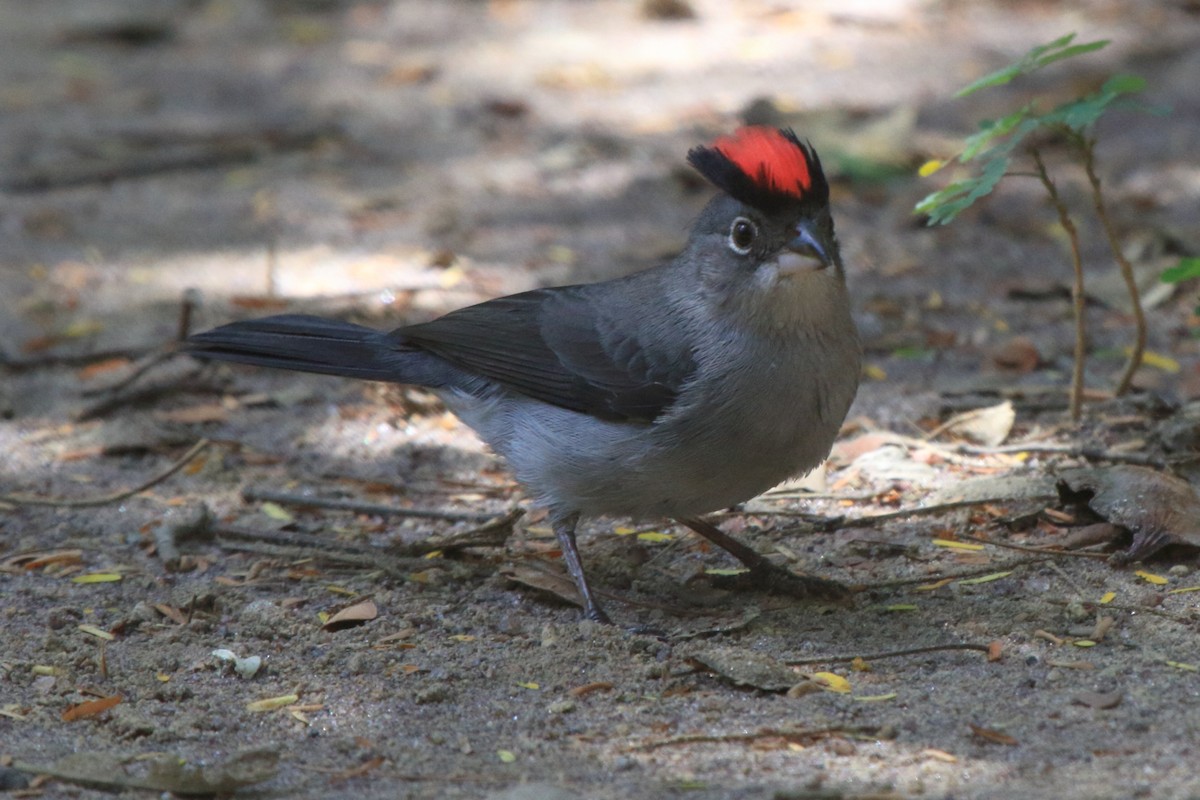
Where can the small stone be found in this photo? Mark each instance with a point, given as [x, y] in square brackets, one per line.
[842, 747]
[561, 707]
[436, 693]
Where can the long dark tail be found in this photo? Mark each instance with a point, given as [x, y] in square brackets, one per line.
[311, 344]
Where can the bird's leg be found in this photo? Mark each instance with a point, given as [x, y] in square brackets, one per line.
[564, 529]
[764, 574]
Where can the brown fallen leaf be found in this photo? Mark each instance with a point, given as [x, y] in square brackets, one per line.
[353, 614]
[1018, 354]
[537, 575]
[744, 667]
[1158, 509]
[987, 734]
[1100, 700]
[91, 708]
[209, 412]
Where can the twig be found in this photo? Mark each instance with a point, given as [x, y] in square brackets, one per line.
[298, 546]
[1020, 562]
[288, 498]
[909, 651]
[765, 733]
[71, 359]
[103, 500]
[1077, 451]
[187, 306]
[152, 360]
[875, 519]
[1045, 551]
[1139, 316]
[1064, 218]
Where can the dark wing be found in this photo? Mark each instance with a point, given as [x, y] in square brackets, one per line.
[556, 346]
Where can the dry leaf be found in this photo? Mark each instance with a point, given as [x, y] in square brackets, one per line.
[986, 426]
[746, 668]
[356, 614]
[1102, 700]
[1158, 509]
[91, 708]
[990, 735]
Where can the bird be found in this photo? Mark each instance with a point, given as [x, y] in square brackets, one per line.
[672, 392]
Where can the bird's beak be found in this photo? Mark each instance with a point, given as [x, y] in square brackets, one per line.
[806, 252]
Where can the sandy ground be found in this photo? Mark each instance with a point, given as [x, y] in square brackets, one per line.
[393, 160]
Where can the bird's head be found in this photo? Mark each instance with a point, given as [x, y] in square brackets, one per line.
[767, 239]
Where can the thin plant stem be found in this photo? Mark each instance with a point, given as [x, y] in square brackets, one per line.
[1064, 218]
[1139, 316]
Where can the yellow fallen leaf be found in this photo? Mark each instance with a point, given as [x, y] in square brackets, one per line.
[624, 530]
[528, 685]
[931, 166]
[99, 633]
[434, 554]
[874, 698]
[98, 577]
[655, 536]
[276, 512]
[1157, 360]
[1185, 667]
[956, 545]
[80, 328]
[1083, 643]
[901, 607]
[1150, 577]
[507, 756]
[1184, 590]
[831, 681]
[342, 590]
[995, 576]
[273, 703]
[874, 373]
[1107, 598]
[929, 587]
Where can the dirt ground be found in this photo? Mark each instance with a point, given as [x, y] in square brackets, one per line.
[389, 161]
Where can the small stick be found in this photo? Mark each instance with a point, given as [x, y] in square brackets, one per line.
[1114, 244]
[910, 651]
[1020, 562]
[1045, 551]
[103, 500]
[1077, 297]
[765, 733]
[275, 496]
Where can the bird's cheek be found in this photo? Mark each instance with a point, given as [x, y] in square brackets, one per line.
[789, 263]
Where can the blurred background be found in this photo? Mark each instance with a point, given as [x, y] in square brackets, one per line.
[398, 159]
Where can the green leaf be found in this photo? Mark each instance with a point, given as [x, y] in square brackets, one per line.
[1082, 113]
[1077, 50]
[1185, 269]
[1035, 59]
[943, 206]
[992, 129]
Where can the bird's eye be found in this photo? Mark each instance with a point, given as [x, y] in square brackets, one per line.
[741, 235]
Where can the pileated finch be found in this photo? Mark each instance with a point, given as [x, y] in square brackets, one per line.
[673, 392]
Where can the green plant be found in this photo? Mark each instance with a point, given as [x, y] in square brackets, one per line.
[1186, 268]
[989, 153]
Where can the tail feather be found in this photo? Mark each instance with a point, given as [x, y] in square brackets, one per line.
[307, 344]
